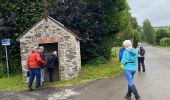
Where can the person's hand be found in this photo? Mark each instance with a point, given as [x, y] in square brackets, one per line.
[26, 66]
[121, 66]
[46, 69]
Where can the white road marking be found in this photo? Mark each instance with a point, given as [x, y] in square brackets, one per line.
[63, 95]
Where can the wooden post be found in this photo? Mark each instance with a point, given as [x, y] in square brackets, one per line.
[45, 10]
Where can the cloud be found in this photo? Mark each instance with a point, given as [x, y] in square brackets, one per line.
[157, 11]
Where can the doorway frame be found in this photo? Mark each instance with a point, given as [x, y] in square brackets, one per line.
[57, 58]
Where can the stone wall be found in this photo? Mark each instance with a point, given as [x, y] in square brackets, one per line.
[53, 32]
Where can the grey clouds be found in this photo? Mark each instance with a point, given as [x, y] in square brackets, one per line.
[157, 11]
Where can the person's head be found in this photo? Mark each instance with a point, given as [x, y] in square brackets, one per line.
[55, 53]
[41, 49]
[123, 46]
[141, 47]
[35, 48]
[127, 44]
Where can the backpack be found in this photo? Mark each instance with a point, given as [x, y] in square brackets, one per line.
[142, 52]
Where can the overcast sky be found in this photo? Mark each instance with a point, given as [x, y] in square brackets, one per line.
[157, 11]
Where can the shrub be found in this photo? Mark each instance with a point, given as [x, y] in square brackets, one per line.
[165, 42]
[161, 33]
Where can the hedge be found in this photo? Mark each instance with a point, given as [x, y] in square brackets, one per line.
[165, 42]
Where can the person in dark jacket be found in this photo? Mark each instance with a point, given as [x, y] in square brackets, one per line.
[51, 64]
[141, 58]
[41, 51]
[42, 55]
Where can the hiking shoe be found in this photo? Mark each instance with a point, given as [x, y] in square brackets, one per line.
[127, 97]
[39, 88]
[30, 89]
[138, 98]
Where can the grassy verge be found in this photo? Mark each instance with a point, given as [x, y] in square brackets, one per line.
[88, 73]
[12, 83]
[162, 47]
[91, 73]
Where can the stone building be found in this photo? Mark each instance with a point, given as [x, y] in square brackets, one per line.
[54, 36]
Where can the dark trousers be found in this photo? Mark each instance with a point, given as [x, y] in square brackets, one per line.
[141, 63]
[51, 72]
[34, 72]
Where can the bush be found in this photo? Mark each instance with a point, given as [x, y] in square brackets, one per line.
[165, 42]
[2, 69]
[161, 33]
[97, 61]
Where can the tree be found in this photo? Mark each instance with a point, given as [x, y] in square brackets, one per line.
[135, 38]
[95, 21]
[161, 33]
[148, 31]
[15, 17]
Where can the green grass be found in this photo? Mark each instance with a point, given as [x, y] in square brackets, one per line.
[12, 83]
[88, 73]
[91, 72]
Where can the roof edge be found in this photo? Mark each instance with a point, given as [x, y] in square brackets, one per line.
[58, 23]
[61, 25]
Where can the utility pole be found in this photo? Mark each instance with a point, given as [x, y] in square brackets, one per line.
[6, 51]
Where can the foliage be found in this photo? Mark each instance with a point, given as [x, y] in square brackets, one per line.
[97, 61]
[165, 42]
[94, 21]
[135, 38]
[148, 32]
[127, 32]
[141, 35]
[161, 33]
[15, 17]
[12, 83]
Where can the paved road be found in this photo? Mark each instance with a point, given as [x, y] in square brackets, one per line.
[154, 84]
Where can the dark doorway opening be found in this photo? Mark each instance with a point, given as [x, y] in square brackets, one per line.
[49, 48]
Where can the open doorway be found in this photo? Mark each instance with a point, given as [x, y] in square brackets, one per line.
[48, 49]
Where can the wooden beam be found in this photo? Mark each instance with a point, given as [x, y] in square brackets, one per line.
[45, 10]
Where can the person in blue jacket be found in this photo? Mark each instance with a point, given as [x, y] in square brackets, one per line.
[122, 49]
[129, 60]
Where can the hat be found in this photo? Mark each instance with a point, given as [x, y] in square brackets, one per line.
[55, 52]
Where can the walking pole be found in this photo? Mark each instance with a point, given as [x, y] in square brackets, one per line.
[7, 60]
